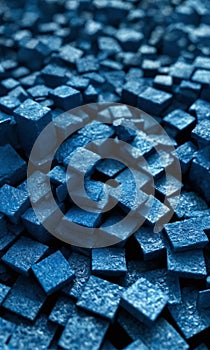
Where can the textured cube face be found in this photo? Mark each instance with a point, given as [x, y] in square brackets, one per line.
[104, 209]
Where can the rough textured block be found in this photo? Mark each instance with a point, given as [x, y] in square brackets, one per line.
[84, 218]
[81, 266]
[37, 336]
[189, 264]
[65, 97]
[186, 235]
[167, 186]
[154, 101]
[151, 243]
[201, 133]
[25, 298]
[185, 153]
[109, 167]
[13, 202]
[161, 335]
[82, 161]
[178, 123]
[200, 109]
[167, 282]
[100, 297]
[108, 262]
[190, 320]
[38, 187]
[202, 76]
[144, 301]
[163, 82]
[63, 310]
[23, 254]
[12, 166]
[96, 130]
[83, 332]
[54, 75]
[87, 64]
[200, 172]
[31, 118]
[34, 227]
[53, 272]
[187, 203]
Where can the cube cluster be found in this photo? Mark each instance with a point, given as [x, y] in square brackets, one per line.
[149, 290]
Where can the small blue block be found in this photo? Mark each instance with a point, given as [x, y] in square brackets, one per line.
[63, 310]
[34, 227]
[12, 166]
[167, 282]
[23, 254]
[53, 272]
[108, 262]
[81, 265]
[83, 329]
[66, 97]
[144, 300]
[109, 167]
[96, 130]
[37, 336]
[178, 123]
[154, 101]
[161, 335]
[201, 133]
[31, 118]
[185, 154]
[187, 264]
[54, 75]
[190, 320]
[25, 298]
[151, 243]
[13, 202]
[186, 235]
[202, 76]
[84, 218]
[87, 64]
[200, 109]
[187, 203]
[100, 297]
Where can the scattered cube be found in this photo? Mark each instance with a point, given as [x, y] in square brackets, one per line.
[81, 266]
[31, 118]
[83, 332]
[63, 310]
[150, 242]
[23, 254]
[185, 154]
[201, 133]
[154, 101]
[162, 334]
[199, 172]
[53, 272]
[25, 298]
[65, 97]
[178, 123]
[37, 336]
[202, 76]
[100, 297]
[185, 235]
[190, 320]
[13, 202]
[12, 166]
[108, 262]
[144, 300]
[187, 264]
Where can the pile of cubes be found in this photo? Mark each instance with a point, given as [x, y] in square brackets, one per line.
[150, 290]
